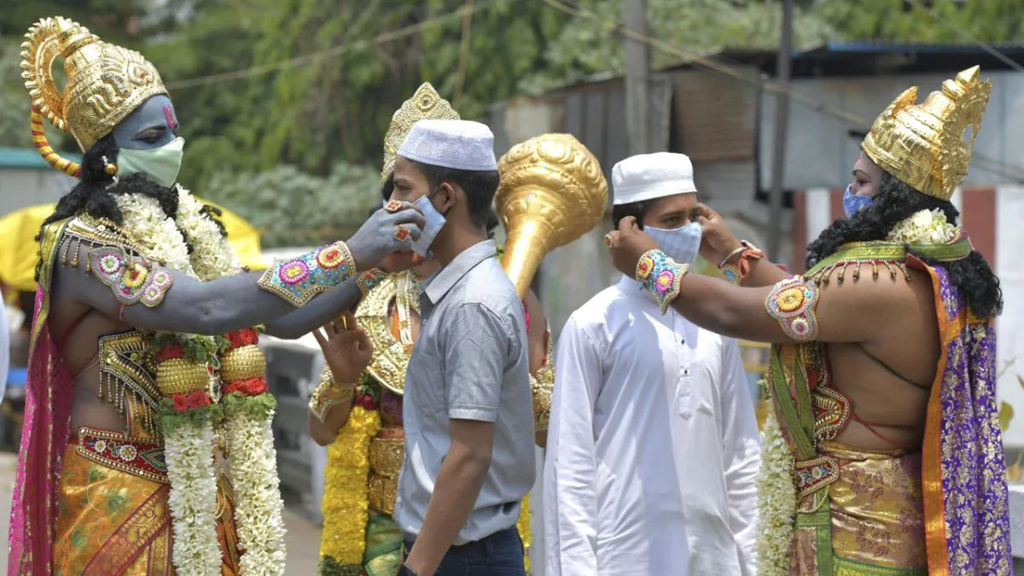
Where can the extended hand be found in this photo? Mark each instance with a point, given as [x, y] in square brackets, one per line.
[384, 232]
[346, 348]
[717, 241]
[628, 244]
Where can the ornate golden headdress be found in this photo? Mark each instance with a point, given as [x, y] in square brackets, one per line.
[425, 103]
[105, 82]
[923, 144]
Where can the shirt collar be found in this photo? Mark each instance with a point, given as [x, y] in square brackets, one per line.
[444, 279]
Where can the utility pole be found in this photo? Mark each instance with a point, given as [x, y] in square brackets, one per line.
[781, 125]
[637, 56]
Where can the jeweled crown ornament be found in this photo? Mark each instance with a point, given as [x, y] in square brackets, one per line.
[923, 144]
[105, 82]
[552, 191]
[425, 103]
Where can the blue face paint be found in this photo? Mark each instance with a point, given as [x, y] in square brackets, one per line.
[853, 203]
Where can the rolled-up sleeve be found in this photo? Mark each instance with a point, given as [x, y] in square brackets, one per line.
[477, 348]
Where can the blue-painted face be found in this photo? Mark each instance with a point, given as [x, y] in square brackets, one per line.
[148, 142]
[150, 126]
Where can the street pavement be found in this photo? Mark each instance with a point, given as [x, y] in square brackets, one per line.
[303, 539]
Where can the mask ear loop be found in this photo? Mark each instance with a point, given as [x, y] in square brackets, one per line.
[73, 169]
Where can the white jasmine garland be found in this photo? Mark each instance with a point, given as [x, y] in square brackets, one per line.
[924, 227]
[193, 500]
[777, 499]
[252, 456]
[258, 499]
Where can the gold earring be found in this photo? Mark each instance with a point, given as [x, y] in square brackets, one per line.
[108, 168]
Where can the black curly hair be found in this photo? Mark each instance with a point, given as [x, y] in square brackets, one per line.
[895, 202]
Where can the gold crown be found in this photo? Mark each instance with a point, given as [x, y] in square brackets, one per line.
[105, 82]
[425, 103]
[923, 144]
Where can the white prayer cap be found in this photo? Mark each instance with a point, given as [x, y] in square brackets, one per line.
[459, 144]
[648, 176]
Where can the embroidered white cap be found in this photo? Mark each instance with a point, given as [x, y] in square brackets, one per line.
[649, 176]
[459, 144]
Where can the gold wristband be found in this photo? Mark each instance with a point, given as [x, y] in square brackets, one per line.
[328, 394]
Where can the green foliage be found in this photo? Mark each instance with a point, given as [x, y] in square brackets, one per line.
[991, 21]
[697, 27]
[291, 207]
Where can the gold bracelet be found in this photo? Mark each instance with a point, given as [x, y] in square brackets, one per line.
[329, 394]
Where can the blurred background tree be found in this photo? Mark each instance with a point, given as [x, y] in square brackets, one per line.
[284, 103]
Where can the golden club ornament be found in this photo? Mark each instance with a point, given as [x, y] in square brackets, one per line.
[552, 191]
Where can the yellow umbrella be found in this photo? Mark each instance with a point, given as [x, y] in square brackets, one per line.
[19, 249]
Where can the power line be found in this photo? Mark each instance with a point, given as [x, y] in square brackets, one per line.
[335, 51]
[994, 166]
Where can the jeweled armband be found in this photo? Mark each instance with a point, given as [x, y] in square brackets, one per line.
[131, 278]
[328, 395]
[300, 279]
[791, 303]
[661, 276]
[369, 280]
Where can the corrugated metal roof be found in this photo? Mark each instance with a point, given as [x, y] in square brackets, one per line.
[28, 159]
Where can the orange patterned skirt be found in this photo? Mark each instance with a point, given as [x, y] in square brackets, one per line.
[114, 518]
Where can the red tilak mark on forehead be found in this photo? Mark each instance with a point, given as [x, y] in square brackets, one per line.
[169, 115]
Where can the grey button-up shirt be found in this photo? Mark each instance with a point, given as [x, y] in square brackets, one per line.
[469, 363]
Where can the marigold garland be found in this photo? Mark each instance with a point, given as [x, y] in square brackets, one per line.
[345, 503]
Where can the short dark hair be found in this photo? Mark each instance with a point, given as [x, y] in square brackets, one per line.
[479, 186]
[636, 209]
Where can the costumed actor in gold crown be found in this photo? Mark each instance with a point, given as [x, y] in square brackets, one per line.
[143, 366]
[362, 421]
[883, 454]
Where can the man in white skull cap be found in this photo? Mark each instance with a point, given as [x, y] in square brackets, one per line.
[467, 408]
[653, 446]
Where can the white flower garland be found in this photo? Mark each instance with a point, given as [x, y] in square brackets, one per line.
[777, 496]
[259, 500]
[253, 467]
[924, 227]
[193, 500]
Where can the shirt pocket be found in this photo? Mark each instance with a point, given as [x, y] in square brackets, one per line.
[689, 400]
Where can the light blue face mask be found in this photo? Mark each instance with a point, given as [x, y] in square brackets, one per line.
[434, 222]
[681, 244]
[160, 164]
[853, 203]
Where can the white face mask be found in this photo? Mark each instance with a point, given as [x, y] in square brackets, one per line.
[680, 244]
[160, 164]
[434, 222]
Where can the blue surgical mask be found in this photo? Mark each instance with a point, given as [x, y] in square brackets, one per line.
[681, 244]
[853, 203]
[160, 164]
[434, 222]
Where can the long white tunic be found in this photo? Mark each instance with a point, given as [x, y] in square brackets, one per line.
[653, 446]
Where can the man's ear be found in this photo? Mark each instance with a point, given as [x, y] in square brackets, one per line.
[447, 193]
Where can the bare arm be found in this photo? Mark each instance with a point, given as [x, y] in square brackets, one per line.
[854, 311]
[458, 485]
[718, 243]
[330, 304]
[104, 275]
[215, 307]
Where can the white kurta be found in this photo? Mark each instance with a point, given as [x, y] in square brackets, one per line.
[651, 457]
